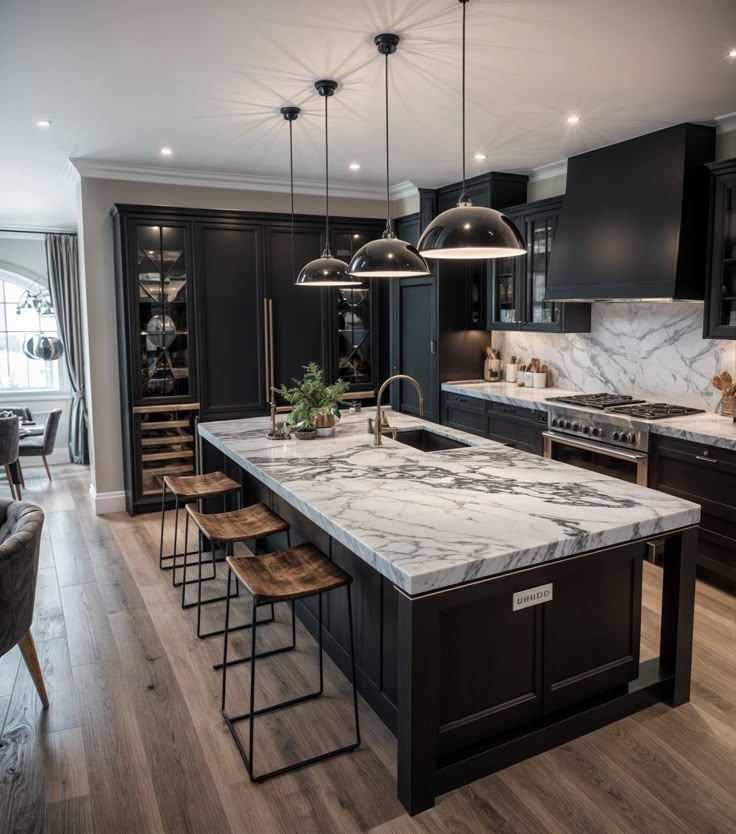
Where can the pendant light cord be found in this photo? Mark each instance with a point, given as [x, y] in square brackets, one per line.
[327, 184]
[463, 195]
[291, 182]
[389, 230]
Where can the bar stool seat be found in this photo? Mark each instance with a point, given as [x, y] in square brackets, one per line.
[200, 486]
[298, 572]
[291, 574]
[253, 522]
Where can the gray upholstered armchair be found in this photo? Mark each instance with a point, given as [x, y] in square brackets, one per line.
[42, 445]
[9, 443]
[20, 540]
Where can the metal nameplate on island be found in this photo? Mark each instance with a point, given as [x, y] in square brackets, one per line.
[532, 596]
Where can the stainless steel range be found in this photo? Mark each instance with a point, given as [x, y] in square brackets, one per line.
[607, 433]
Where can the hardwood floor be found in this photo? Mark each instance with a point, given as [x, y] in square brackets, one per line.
[134, 742]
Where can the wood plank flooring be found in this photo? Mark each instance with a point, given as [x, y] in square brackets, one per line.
[134, 742]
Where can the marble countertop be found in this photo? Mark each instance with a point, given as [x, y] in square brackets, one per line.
[432, 520]
[708, 428]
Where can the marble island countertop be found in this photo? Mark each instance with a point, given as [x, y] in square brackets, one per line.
[432, 520]
[708, 428]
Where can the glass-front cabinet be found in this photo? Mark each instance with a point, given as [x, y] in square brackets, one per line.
[720, 318]
[162, 327]
[518, 285]
[354, 316]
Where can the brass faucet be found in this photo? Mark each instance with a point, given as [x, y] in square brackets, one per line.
[379, 418]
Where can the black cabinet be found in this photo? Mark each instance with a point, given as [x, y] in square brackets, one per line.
[210, 320]
[707, 476]
[512, 425]
[516, 299]
[720, 297]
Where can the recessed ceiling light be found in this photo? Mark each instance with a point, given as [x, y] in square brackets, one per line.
[166, 152]
[573, 120]
[480, 156]
[354, 166]
[732, 53]
[44, 123]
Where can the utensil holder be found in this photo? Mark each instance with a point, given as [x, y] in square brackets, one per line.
[727, 406]
[540, 379]
[511, 372]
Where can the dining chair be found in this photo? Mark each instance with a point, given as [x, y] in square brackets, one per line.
[20, 542]
[9, 449]
[43, 445]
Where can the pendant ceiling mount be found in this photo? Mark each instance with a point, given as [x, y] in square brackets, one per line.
[387, 257]
[469, 232]
[326, 271]
[291, 114]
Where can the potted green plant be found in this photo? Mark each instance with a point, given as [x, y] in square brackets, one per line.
[314, 404]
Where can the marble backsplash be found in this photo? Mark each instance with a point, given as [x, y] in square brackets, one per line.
[654, 350]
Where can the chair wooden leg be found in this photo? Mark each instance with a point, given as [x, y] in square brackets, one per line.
[46, 464]
[20, 473]
[9, 476]
[28, 650]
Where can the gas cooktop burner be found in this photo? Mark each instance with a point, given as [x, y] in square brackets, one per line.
[653, 411]
[596, 400]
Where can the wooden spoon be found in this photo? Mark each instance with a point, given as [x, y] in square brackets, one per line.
[726, 379]
[717, 383]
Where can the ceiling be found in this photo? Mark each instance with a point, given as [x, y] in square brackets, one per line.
[121, 80]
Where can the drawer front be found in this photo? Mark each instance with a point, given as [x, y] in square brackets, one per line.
[515, 432]
[465, 403]
[470, 421]
[533, 415]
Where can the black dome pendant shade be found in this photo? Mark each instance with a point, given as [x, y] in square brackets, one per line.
[388, 257]
[469, 232]
[326, 271]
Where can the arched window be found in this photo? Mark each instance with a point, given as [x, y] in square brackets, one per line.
[17, 371]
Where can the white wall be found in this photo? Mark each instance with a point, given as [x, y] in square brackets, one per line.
[97, 197]
[25, 254]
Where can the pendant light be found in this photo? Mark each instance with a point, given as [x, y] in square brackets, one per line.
[291, 114]
[326, 271]
[388, 257]
[469, 232]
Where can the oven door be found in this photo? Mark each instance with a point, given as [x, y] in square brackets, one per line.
[597, 457]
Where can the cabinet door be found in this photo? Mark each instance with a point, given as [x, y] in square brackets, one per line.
[230, 294]
[539, 231]
[160, 305]
[415, 344]
[721, 313]
[299, 313]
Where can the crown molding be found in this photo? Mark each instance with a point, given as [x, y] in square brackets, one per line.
[725, 123]
[545, 172]
[70, 173]
[97, 169]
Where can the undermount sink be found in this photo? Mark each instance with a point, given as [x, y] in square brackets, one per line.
[426, 440]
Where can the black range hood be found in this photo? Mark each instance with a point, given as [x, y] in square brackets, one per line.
[634, 223]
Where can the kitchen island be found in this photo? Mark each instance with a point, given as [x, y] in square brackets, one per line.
[498, 594]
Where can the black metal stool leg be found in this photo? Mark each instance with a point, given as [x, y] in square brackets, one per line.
[321, 662]
[225, 641]
[352, 666]
[200, 602]
[252, 710]
[163, 516]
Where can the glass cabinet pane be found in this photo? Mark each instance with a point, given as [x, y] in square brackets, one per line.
[539, 245]
[728, 254]
[504, 296]
[163, 320]
[354, 336]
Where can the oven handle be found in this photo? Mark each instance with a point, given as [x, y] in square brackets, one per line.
[636, 457]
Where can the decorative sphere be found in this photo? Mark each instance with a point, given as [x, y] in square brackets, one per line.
[43, 347]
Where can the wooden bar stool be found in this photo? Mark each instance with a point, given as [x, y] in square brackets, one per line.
[225, 530]
[188, 488]
[286, 576]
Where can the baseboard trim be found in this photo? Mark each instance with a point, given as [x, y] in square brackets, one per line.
[106, 502]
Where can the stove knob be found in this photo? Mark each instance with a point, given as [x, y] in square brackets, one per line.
[576, 426]
[596, 432]
[586, 429]
[554, 423]
[616, 435]
[567, 424]
[629, 438]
